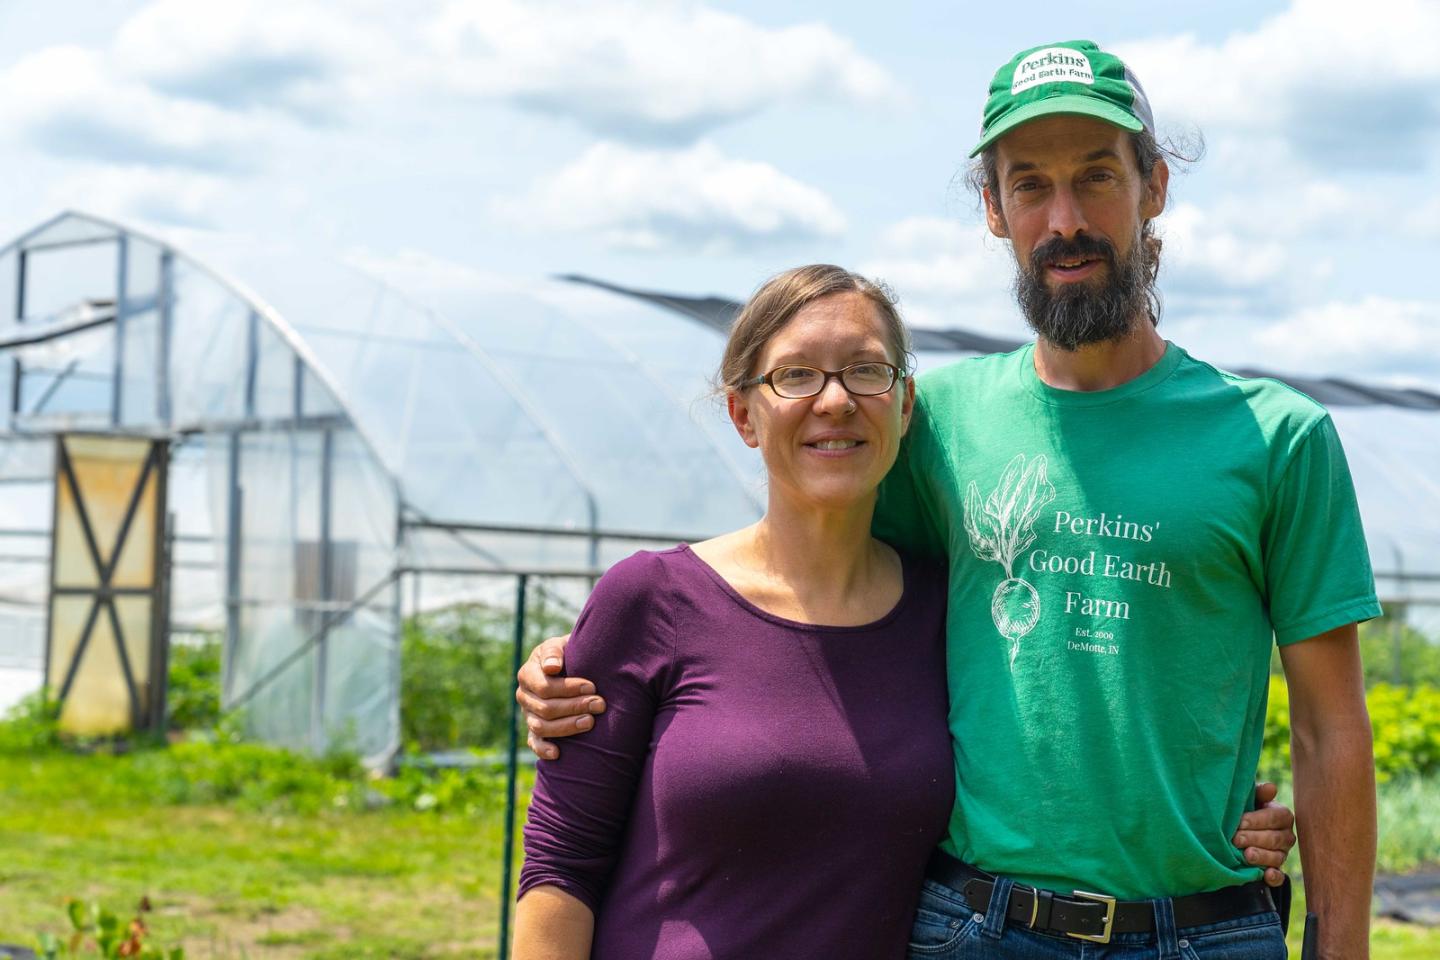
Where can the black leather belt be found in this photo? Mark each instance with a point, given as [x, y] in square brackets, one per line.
[1095, 916]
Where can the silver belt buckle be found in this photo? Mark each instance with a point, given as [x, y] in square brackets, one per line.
[1104, 936]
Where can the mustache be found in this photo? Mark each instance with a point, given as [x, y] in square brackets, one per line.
[1079, 247]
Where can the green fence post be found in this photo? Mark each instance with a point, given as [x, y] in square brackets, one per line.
[512, 764]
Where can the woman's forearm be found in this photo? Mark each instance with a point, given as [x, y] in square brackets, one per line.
[550, 924]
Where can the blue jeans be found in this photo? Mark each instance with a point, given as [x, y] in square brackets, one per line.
[947, 929]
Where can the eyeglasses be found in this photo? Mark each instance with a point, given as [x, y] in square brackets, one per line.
[868, 378]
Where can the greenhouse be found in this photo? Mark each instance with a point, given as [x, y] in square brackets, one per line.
[331, 452]
[224, 436]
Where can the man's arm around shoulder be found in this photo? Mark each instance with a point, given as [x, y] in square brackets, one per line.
[1333, 760]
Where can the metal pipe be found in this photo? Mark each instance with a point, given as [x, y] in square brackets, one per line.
[17, 372]
[587, 532]
[252, 353]
[122, 281]
[233, 556]
[322, 647]
[162, 346]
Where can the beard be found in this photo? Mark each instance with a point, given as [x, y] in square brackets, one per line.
[1083, 313]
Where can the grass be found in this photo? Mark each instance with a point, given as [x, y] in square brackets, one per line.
[253, 878]
[1409, 815]
[227, 882]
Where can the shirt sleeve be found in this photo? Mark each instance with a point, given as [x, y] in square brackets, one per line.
[1317, 566]
[624, 642]
[904, 515]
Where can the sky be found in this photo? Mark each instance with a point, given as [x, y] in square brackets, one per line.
[700, 147]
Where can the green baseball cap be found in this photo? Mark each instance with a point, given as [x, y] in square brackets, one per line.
[1072, 76]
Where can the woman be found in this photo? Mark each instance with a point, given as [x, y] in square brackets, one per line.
[699, 818]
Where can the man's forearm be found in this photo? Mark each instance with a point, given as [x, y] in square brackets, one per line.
[1334, 770]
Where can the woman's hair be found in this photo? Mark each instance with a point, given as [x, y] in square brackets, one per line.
[782, 296]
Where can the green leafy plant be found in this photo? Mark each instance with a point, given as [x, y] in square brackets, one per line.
[472, 791]
[192, 696]
[95, 930]
[456, 680]
[1395, 652]
[1405, 722]
[30, 725]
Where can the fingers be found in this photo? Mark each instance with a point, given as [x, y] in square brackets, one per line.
[538, 730]
[574, 700]
[1263, 857]
[1274, 878]
[1279, 841]
[550, 654]
[551, 697]
[542, 748]
[564, 727]
[1265, 791]
[545, 661]
[1272, 816]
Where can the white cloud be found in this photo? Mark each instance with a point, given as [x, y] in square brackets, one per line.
[68, 102]
[1423, 219]
[291, 55]
[658, 200]
[1376, 335]
[1340, 88]
[947, 274]
[934, 257]
[171, 197]
[642, 70]
[1306, 207]
[1203, 256]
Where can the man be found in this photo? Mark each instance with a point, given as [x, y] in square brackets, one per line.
[1127, 529]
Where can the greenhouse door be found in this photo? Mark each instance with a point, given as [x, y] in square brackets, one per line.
[105, 642]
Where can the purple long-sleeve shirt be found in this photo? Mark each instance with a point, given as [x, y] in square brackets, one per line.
[757, 787]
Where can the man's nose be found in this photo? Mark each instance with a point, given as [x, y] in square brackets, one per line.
[1067, 217]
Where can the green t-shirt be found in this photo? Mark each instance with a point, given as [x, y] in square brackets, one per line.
[1119, 563]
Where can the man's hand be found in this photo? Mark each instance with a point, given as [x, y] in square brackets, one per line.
[1267, 833]
[554, 705]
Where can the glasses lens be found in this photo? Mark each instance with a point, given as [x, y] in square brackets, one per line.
[796, 382]
[868, 379]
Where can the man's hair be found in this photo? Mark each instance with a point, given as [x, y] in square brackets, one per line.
[984, 174]
[782, 296]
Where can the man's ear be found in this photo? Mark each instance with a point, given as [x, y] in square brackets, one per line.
[740, 416]
[994, 217]
[1156, 191]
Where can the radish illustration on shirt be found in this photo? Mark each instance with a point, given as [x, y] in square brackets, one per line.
[1000, 529]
